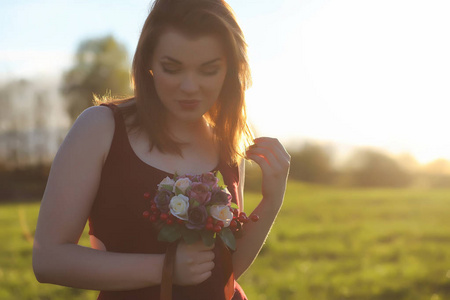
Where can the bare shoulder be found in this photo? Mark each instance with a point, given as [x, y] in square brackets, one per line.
[94, 128]
[95, 118]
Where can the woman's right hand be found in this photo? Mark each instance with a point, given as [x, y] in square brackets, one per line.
[193, 263]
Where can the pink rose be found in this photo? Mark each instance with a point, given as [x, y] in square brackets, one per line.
[210, 180]
[194, 178]
[200, 192]
[221, 197]
[197, 217]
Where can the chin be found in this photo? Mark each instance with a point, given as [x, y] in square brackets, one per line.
[190, 118]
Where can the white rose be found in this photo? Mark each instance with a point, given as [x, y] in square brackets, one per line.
[179, 206]
[167, 183]
[182, 184]
[222, 213]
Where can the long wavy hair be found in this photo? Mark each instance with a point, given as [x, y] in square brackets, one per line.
[227, 116]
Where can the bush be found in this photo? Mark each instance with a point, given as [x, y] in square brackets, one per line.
[23, 184]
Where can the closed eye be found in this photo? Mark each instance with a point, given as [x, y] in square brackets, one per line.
[210, 71]
[170, 68]
[170, 71]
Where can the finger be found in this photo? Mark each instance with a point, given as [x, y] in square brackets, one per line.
[274, 145]
[200, 246]
[280, 154]
[261, 161]
[203, 268]
[205, 257]
[204, 248]
[265, 153]
[203, 277]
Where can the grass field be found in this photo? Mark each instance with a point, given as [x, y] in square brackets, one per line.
[327, 243]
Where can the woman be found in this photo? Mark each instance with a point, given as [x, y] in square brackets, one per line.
[187, 116]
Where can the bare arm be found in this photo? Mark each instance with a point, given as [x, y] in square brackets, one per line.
[274, 161]
[65, 207]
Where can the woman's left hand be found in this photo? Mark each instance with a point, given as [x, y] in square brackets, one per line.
[274, 161]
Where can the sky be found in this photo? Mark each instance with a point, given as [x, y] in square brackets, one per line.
[345, 72]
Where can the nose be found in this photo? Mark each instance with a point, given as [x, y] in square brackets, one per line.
[189, 84]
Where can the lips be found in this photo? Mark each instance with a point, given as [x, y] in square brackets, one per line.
[188, 104]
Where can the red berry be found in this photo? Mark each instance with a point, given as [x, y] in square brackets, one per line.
[236, 212]
[153, 218]
[209, 226]
[154, 208]
[217, 228]
[241, 219]
[220, 223]
[254, 218]
[243, 214]
[169, 221]
[146, 195]
[233, 224]
[146, 214]
[209, 219]
[164, 216]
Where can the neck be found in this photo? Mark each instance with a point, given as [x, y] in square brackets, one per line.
[189, 132]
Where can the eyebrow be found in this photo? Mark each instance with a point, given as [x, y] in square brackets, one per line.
[179, 62]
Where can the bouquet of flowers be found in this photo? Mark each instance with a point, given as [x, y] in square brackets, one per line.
[196, 207]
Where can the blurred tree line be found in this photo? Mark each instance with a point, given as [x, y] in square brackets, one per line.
[315, 163]
[35, 115]
[30, 132]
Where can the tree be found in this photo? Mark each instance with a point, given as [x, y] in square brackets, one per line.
[312, 163]
[101, 67]
[371, 168]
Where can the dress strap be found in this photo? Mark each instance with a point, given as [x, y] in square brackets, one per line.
[120, 142]
[120, 129]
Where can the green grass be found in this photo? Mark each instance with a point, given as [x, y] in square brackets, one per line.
[327, 243]
[331, 243]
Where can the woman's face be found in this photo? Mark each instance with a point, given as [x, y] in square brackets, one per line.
[188, 73]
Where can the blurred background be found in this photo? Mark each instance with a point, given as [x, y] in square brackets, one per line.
[357, 91]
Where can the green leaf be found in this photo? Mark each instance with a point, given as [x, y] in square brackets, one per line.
[228, 238]
[169, 233]
[221, 182]
[190, 236]
[193, 203]
[234, 205]
[208, 237]
[167, 187]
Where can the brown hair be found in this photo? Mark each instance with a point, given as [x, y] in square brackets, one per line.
[228, 116]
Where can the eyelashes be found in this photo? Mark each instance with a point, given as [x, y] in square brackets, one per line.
[170, 71]
[211, 73]
[207, 72]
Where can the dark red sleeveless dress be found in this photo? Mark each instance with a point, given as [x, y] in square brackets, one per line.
[116, 217]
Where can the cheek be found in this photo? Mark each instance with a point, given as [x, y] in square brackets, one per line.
[215, 85]
[164, 84]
